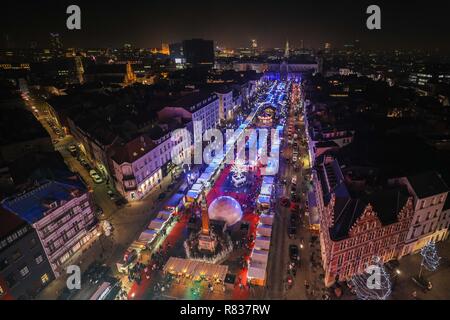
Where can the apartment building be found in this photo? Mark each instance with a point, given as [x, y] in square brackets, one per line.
[62, 213]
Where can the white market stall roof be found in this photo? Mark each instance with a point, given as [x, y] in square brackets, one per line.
[205, 176]
[263, 199]
[268, 180]
[260, 255]
[257, 270]
[193, 194]
[164, 215]
[262, 242]
[148, 235]
[211, 168]
[266, 189]
[197, 187]
[156, 224]
[196, 268]
[264, 230]
[272, 167]
[266, 219]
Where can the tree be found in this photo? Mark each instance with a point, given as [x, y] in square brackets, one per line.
[374, 283]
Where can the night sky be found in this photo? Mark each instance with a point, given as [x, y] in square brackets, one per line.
[405, 24]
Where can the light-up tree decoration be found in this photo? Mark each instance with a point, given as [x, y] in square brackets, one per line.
[374, 283]
[430, 258]
[238, 170]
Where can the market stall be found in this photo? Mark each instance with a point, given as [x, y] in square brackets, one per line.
[175, 203]
[257, 273]
[266, 218]
[148, 235]
[260, 255]
[264, 230]
[262, 242]
[263, 201]
[195, 270]
[156, 224]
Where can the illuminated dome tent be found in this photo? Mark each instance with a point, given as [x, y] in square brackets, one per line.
[225, 208]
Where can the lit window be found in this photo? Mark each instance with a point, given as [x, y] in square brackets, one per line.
[39, 259]
[24, 271]
[44, 278]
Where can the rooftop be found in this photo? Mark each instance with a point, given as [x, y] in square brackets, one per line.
[386, 203]
[195, 101]
[14, 118]
[133, 150]
[9, 222]
[32, 205]
[427, 184]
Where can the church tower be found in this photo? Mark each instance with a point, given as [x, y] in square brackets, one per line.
[130, 77]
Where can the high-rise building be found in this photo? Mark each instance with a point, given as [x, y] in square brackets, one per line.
[254, 47]
[198, 52]
[56, 44]
[286, 49]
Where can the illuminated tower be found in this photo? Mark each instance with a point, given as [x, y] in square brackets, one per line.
[165, 49]
[130, 77]
[79, 69]
[207, 240]
[254, 47]
[205, 217]
[286, 50]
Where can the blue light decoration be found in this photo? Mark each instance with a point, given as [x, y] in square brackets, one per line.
[374, 283]
[430, 258]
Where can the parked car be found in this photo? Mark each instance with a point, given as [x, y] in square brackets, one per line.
[84, 163]
[120, 202]
[293, 252]
[95, 176]
[292, 231]
[284, 202]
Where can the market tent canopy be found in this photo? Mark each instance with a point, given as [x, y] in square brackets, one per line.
[262, 242]
[156, 224]
[197, 187]
[268, 180]
[260, 255]
[164, 215]
[193, 194]
[175, 200]
[257, 270]
[262, 199]
[195, 268]
[264, 230]
[147, 235]
[266, 219]
[266, 189]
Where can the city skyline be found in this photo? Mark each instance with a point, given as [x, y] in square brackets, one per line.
[405, 25]
[142, 159]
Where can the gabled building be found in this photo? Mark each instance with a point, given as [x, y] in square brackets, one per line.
[356, 226]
